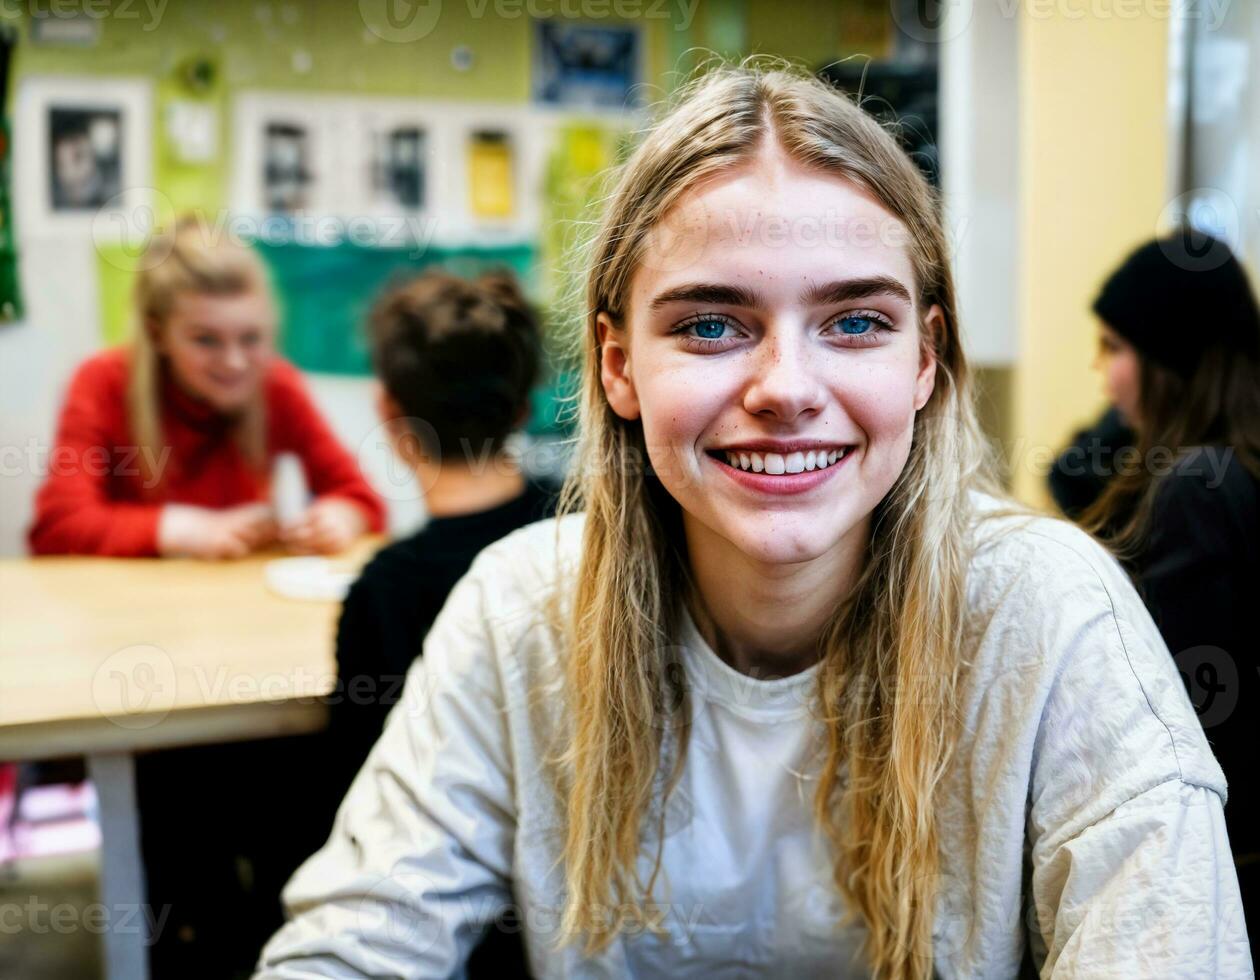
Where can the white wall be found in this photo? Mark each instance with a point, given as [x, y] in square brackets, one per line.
[36, 358]
[979, 141]
[1222, 187]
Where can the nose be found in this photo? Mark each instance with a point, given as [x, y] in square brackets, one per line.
[235, 358]
[784, 384]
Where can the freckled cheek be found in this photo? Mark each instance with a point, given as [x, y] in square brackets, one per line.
[678, 411]
[880, 405]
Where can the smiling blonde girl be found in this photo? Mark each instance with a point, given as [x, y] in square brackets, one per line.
[164, 445]
[796, 694]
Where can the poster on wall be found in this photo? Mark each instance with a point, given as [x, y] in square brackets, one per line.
[84, 147]
[85, 153]
[397, 169]
[388, 171]
[490, 174]
[287, 174]
[580, 65]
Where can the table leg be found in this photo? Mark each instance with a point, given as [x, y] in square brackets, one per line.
[122, 867]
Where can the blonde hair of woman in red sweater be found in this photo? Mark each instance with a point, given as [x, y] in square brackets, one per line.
[165, 446]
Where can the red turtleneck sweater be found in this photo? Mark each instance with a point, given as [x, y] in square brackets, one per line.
[94, 501]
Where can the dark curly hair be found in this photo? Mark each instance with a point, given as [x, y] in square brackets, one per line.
[459, 357]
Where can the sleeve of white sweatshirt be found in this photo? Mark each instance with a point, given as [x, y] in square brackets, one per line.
[1132, 874]
[419, 858]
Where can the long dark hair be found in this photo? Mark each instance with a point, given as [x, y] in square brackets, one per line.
[1215, 403]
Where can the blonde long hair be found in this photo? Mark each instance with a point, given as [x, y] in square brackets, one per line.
[189, 257]
[892, 654]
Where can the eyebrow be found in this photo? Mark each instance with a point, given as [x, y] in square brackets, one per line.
[826, 294]
[706, 293]
[849, 289]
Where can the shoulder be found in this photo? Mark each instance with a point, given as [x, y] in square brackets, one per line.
[512, 582]
[1209, 467]
[1060, 631]
[106, 371]
[96, 395]
[1205, 477]
[528, 567]
[1044, 576]
[386, 611]
[1041, 584]
[283, 382]
[394, 569]
[497, 629]
[1050, 556]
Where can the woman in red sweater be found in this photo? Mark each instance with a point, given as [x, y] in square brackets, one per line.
[165, 446]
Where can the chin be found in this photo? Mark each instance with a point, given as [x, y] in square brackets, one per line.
[229, 404]
[778, 547]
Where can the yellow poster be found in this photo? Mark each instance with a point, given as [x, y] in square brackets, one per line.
[490, 175]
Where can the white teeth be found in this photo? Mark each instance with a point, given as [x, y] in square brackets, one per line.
[777, 464]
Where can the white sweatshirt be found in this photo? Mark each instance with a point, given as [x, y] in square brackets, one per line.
[1083, 813]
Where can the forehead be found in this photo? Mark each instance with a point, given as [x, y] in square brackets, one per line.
[230, 311]
[777, 225]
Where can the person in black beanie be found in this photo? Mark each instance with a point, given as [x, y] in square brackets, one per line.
[1180, 349]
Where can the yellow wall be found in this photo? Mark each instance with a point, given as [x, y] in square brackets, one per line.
[1094, 162]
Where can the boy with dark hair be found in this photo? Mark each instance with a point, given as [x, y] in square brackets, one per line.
[456, 361]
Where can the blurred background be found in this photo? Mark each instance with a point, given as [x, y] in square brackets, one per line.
[350, 142]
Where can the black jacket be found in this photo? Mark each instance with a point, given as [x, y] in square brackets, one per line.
[1199, 574]
[1082, 471]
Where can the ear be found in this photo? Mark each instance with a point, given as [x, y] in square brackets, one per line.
[614, 368]
[925, 382]
[393, 417]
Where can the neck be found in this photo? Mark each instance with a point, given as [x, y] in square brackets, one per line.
[766, 619]
[452, 490]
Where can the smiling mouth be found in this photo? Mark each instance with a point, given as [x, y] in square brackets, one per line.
[781, 464]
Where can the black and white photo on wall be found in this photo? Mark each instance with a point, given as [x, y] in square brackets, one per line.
[287, 174]
[85, 156]
[397, 167]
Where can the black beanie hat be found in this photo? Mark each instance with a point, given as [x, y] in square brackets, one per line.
[1176, 297]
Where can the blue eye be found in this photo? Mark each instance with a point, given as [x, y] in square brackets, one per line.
[855, 324]
[708, 333]
[709, 329]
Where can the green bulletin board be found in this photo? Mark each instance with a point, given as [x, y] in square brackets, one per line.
[326, 293]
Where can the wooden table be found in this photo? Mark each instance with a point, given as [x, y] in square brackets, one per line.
[107, 657]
